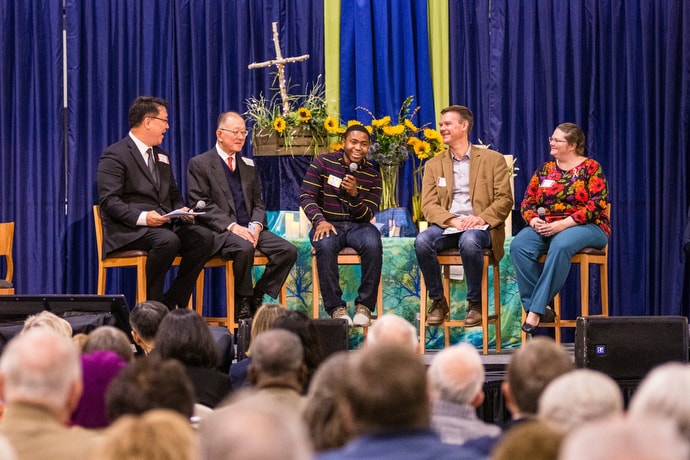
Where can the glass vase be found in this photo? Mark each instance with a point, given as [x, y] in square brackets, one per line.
[389, 184]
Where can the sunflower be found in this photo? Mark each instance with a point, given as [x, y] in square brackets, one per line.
[409, 125]
[279, 124]
[304, 114]
[432, 135]
[336, 146]
[331, 125]
[381, 122]
[393, 130]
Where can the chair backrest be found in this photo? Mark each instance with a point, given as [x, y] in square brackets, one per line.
[6, 242]
[98, 225]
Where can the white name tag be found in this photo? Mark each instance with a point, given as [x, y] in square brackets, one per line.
[335, 181]
[441, 181]
[546, 183]
[248, 161]
[163, 158]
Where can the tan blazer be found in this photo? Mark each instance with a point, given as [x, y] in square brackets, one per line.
[490, 193]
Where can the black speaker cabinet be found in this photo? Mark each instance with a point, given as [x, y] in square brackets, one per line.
[334, 334]
[627, 347]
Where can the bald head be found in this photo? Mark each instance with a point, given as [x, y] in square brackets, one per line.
[391, 329]
[456, 375]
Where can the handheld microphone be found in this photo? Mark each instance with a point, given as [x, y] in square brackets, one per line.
[200, 205]
[542, 213]
[353, 167]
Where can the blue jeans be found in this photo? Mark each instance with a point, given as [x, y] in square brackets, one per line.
[538, 283]
[366, 240]
[471, 244]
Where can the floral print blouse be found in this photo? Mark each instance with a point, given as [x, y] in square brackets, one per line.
[581, 193]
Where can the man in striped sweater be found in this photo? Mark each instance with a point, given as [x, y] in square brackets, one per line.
[340, 193]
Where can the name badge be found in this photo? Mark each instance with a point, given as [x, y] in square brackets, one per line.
[546, 183]
[441, 181]
[248, 161]
[335, 181]
[163, 158]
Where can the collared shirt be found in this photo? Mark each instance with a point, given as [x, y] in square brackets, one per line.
[461, 206]
[458, 423]
[224, 157]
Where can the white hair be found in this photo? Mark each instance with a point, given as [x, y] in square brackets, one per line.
[391, 329]
[456, 374]
[579, 396]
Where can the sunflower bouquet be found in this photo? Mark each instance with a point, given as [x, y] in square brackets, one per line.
[427, 145]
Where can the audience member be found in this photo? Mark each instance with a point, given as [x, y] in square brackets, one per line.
[253, 432]
[150, 383]
[7, 452]
[145, 319]
[530, 370]
[625, 438]
[49, 320]
[302, 325]
[340, 195]
[664, 393]
[40, 381]
[78, 340]
[99, 368]
[323, 410]
[263, 320]
[391, 329]
[158, 434]
[577, 397]
[533, 440]
[387, 409]
[183, 335]
[109, 338]
[456, 378]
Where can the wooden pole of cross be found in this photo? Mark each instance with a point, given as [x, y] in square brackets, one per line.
[279, 62]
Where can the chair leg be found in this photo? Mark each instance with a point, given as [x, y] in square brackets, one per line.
[584, 287]
[141, 280]
[422, 313]
[557, 322]
[230, 295]
[100, 289]
[199, 294]
[497, 305]
[485, 307]
[604, 281]
[315, 288]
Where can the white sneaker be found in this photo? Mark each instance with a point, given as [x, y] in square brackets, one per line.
[362, 316]
[341, 312]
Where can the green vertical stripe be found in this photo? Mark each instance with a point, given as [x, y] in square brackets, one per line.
[331, 48]
[438, 51]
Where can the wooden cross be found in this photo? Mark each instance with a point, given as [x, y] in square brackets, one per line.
[280, 62]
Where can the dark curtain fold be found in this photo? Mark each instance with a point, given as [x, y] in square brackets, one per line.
[619, 69]
[32, 170]
[384, 58]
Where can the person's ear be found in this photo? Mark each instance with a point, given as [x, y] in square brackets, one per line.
[478, 399]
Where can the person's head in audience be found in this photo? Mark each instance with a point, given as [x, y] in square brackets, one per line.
[109, 338]
[158, 434]
[533, 440]
[99, 368]
[49, 320]
[625, 438]
[183, 335]
[302, 325]
[391, 329]
[150, 383]
[277, 361]
[664, 393]
[145, 319]
[251, 432]
[323, 410]
[41, 367]
[529, 371]
[456, 375]
[386, 390]
[263, 320]
[78, 340]
[579, 396]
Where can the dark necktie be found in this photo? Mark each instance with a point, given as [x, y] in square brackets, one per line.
[152, 166]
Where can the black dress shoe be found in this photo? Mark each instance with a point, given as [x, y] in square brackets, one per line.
[529, 328]
[549, 315]
[243, 308]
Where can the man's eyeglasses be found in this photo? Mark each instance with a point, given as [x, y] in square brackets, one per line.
[553, 139]
[234, 132]
[164, 120]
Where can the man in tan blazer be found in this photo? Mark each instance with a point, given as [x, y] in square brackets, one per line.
[466, 198]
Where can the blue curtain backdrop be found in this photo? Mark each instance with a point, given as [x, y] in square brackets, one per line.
[619, 69]
[384, 58]
[32, 190]
[194, 54]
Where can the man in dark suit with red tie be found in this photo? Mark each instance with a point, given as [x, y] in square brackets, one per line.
[229, 185]
[136, 188]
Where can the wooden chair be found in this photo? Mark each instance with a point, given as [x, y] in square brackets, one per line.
[347, 256]
[451, 257]
[229, 321]
[132, 258]
[584, 258]
[6, 243]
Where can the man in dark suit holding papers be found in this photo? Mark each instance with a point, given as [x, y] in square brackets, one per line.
[136, 188]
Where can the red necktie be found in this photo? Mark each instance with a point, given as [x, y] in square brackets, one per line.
[231, 163]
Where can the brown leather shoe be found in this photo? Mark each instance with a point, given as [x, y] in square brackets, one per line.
[438, 312]
[474, 314]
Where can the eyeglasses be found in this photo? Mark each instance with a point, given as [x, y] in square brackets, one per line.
[164, 120]
[553, 139]
[234, 132]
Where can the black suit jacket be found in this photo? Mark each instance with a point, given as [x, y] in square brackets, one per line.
[206, 180]
[126, 189]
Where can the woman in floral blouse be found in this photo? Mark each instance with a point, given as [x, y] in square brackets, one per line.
[564, 205]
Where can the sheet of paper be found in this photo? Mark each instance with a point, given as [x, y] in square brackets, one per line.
[182, 213]
[452, 230]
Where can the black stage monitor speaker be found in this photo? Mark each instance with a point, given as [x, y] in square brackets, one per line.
[627, 347]
[83, 312]
[334, 334]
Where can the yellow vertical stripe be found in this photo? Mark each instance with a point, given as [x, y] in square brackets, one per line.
[438, 52]
[331, 49]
